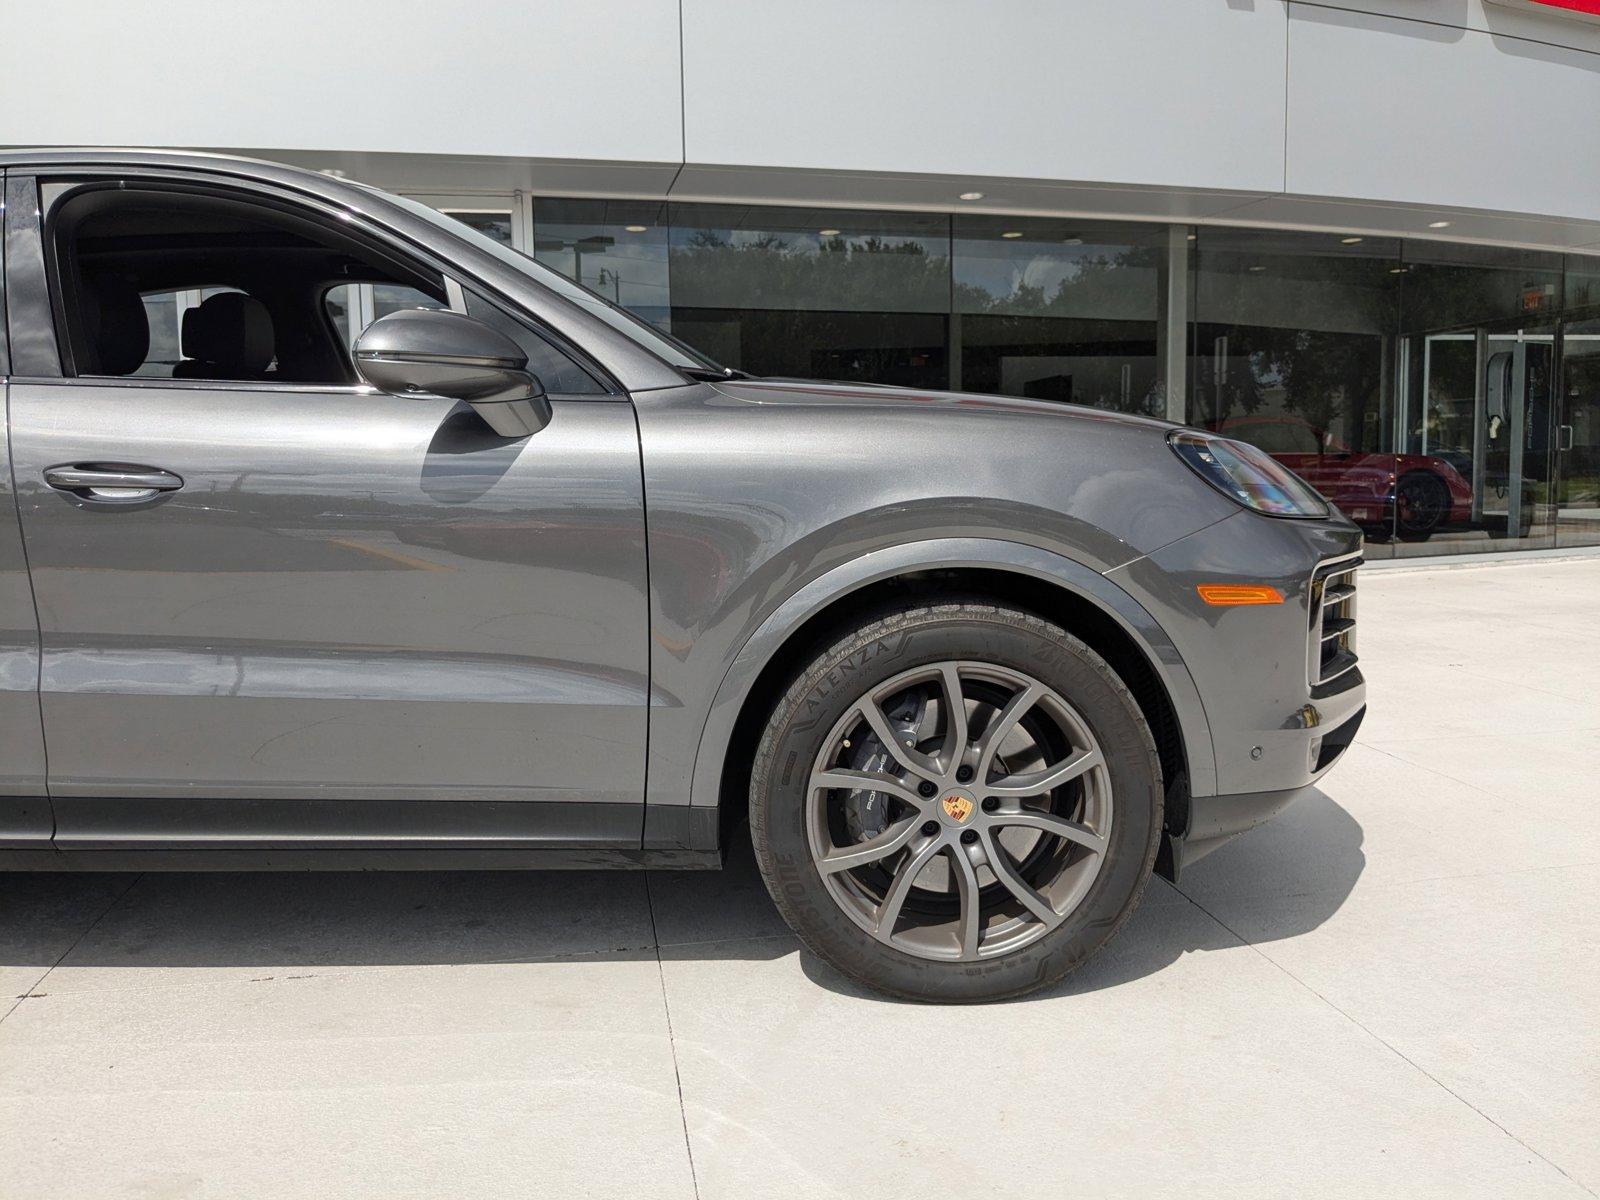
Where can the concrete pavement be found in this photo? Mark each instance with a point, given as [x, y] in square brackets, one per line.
[1391, 990]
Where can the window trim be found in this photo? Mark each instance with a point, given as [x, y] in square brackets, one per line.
[202, 385]
[5, 320]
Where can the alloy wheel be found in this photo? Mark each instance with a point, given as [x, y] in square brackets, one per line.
[959, 810]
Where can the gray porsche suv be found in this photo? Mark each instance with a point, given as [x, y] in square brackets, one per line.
[343, 536]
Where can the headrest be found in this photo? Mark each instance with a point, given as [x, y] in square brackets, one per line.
[115, 326]
[230, 330]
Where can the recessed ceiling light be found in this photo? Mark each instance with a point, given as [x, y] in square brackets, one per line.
[1256, 268]
[1072, 241]
[636, 228]
[828, 232]
[1190, 238]
[971, 196]
[1438, 224]
[1349, 241]
[1012, 233]
[1397, 270]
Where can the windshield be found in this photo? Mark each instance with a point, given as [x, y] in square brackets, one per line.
[662, 345]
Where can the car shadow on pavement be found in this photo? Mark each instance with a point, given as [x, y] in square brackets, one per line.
[272, 921]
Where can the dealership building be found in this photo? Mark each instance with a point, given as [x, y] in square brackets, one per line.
[1364, 234]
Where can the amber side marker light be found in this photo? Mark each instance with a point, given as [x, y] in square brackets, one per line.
[1223, 594]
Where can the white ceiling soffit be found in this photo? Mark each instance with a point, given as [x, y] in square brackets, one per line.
[454, 174]
[463, 175]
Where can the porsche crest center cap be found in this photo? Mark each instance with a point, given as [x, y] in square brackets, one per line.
[957, 807]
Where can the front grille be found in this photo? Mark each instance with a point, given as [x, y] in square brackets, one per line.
[1332, 649]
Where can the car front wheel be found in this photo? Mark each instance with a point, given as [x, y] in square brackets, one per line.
[957, 802]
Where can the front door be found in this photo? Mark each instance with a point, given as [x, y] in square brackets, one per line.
[277, 605]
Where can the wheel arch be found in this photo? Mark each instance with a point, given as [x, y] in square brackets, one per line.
[1052, 586]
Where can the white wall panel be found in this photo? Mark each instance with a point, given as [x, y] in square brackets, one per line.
[1186, 92]
[1423, 114]
[540, 78]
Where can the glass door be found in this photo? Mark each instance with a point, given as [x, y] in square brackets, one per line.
[1576, 490]
[1476, 466]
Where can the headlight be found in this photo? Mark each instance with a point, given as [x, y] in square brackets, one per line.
[1252, 477]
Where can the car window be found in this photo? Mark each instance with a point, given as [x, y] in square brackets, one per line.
[163, 313]
[353, 306]
[211, 285]
[557, 371]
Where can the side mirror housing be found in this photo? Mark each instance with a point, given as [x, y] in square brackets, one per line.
[430, 352]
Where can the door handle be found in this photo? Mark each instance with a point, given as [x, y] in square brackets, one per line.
[109, 483]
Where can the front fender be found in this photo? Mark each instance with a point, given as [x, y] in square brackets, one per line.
[667, 822]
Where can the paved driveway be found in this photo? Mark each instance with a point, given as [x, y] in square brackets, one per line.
[1391, 990]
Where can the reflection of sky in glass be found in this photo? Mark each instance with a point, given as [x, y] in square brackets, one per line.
[1001, 268]
[1056, 267]
[732, 256]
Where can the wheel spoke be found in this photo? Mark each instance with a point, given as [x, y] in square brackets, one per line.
[955, 715]
[888, 912]
[1038, 782]
[870, 851]
[1006, 872]
[970, 926]
[918, 764]
[868, 781]
[1001, 725]
[1073, 831]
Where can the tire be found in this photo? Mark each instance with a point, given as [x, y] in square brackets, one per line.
[1082, 852]
[1422, 504]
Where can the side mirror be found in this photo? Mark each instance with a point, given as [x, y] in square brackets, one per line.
[428, 352]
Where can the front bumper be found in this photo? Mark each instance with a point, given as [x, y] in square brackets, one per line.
[1279, 716]
[1210, 821]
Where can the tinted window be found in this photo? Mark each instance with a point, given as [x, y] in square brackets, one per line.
[556, 370]
[210, 286]
[353, 306]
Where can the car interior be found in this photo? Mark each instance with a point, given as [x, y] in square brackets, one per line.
[266, 275]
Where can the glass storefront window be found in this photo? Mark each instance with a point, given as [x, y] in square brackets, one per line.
[826, 260]
[617, 248]
[903, 349]
[818, 293]
[1293, 339]
[1576, 496]
[1059, 310]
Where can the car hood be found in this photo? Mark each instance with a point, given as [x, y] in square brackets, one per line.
[1100, 486]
